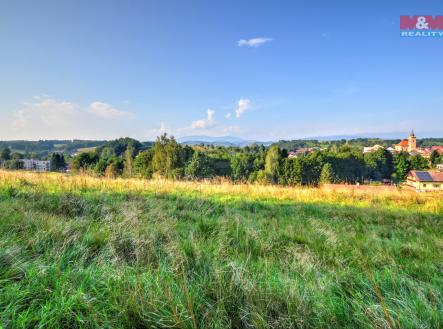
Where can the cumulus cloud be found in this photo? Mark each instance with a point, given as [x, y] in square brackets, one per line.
[207, 123]
[45, 112]
[105, 110]
[228, 115]
[255, 42]
[48, 118]
[243, 105]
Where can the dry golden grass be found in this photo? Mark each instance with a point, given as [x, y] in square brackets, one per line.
[398, 198]
[81, 251]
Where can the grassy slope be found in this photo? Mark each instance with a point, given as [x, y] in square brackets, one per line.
[82, 252]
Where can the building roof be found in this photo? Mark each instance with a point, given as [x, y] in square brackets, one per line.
[403, 143]
[423, 151]
[439, 149]
[427, 176]
[372, 148]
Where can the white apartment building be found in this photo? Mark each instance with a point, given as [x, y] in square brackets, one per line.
[37, 165]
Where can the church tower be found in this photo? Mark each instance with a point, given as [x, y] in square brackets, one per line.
[412, 145]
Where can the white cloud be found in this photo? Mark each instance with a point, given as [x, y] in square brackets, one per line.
[255, 42]
[48, 118]
[228, 115]
[46, 112]
[244, 104]
[107, 111]
[209, 122]
[154, 132]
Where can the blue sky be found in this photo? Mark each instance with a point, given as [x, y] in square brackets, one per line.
[106, 69]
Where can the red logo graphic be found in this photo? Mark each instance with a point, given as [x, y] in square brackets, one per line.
[421, 22]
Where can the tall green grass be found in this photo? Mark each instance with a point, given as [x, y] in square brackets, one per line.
[92, 258]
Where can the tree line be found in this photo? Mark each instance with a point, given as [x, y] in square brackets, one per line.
[167, 158]
[256, 163]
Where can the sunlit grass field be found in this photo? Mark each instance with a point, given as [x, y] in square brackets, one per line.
[83, 252]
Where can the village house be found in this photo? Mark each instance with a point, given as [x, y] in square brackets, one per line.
[425, 181]
[374, 148]
[300, 152]
[409, 145]
[424, 152]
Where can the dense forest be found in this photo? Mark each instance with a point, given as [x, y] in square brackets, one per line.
[335, 162]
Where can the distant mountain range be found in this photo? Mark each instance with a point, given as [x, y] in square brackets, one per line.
[239, 142]
[219, 141]
[386, 136]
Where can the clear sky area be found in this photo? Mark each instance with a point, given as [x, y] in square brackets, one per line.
[263, 70]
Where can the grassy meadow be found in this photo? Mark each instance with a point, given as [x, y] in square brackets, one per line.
[83, 252]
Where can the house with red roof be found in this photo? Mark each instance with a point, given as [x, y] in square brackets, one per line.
[439, 149]
[425, 180]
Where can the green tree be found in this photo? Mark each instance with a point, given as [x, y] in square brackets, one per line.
[311, 168]
[379, 164]
[100, 166]
[434, 158]
[118, 147]
[107, 152]
[326, 175]
[84, 161]
[272, 162]
[347, 166]
[285, 171]
[296, 171]
[128, 163]
[402, 166]
[13, 164]
[168, 157]
[57, 162]
[419, 163]
[199, 167]
[5, 154]
[143, 164]
[16, 156]
[241, 166]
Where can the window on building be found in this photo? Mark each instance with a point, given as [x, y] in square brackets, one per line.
[437, 185]
[424, 185]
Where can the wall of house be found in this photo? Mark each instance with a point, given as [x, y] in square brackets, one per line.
[430, 186]
[425, 186]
